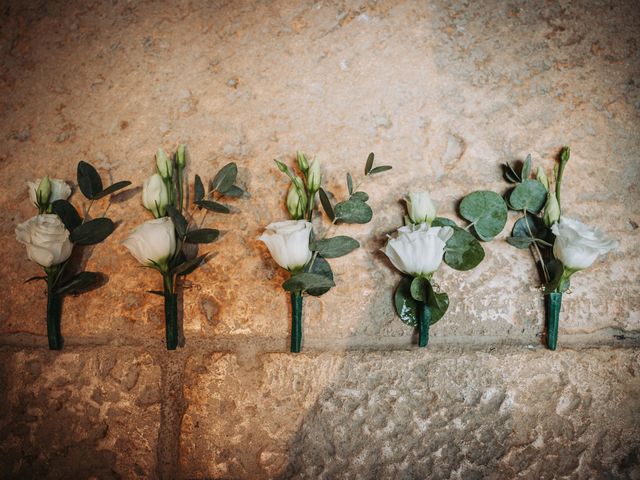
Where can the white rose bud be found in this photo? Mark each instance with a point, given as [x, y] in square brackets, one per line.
[296, 203]
[551, 210]
[153, 243]
[46, 239]
[59, 190]
[417, 250]
[155, 196]
[288, 243]
[578, 245]
[165, 169]
[420, 207]
[314, 177]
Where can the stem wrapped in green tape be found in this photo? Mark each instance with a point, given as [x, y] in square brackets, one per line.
[553, 304]
[170, 313]
[54, 313]
[424, 321]
[296, 321]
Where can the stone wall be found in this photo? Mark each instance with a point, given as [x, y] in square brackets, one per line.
[443, 91]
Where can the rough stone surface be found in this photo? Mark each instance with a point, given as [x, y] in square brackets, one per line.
[444, 91]
[78, 414]
[444, 414]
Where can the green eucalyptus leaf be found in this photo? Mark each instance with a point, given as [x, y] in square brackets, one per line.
[443, 222]
[198, 189]
[369, 164]
[533, 227]
[305, 281]
[406, 306]
[321, 267]
[225, 178]
[353, 211]
[335, 247]
[234, 191]
[67, 213]
[418, 289]
[362, 196]
[213, 206]
[89, 180]
[555, 269]
[520, 242]
[80, 282]
[38, 277]
[510, 174]
[326, 204]
[438, 303]
[202, 235]
[529, 195]
[349, 183]
[487, 211]
[526, 168]
[380, 169]
[463, 250]
[189, 266]
[93, 231]
[179, 222]
[112, 189]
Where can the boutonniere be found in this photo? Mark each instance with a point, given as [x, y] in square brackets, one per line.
[161, 244]
[419, 247]
[294, 245]
[561, 246]
[52, 235]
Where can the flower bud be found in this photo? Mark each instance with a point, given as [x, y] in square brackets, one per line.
[542, 177]
[302, 161]
[314, 177]
[180, 156]
[296, 202]
[43, 192]
[155, 196]
[551, 210]
[420, 207]
[165, 169]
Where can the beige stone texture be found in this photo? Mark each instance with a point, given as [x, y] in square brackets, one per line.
[443, 91]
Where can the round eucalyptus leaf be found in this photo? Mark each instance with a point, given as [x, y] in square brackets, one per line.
[406, 306]
[529, 195]
[353, 211]
[443, 222]
[463, 250]
[438, 304]
[321, 267]
[418, 289]
[487, 211]
[531, 226]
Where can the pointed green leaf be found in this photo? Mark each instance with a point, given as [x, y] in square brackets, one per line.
[335, 247]
[526, 168]
[88, 180]
[529, 195]
[213, 206]
[189, 266]
[202, 235]
[463, 251]
[349, 183]
[487, 211]
[179, 222]
[353, 211]
[326, 204]
[380, 169]
[510, 174]
[112, 189]
[67, 213]
[306, 281]
[93, 231]
[80, 282]
[198, 189]
[225, 178]
[31, 279]
[234, 191]
[321, 267]
[369, 164]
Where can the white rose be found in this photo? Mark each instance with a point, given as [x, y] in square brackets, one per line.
[60, 190]
[420, 207]
[153, 242]
[46, 238]
[155, 196]
[418, 249]
[288, 243]
[578, 245]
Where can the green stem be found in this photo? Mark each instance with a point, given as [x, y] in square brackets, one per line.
[170, 312]
[424, 321]
[296, 321]
[181, 187]
[54, 313]
[553, 304]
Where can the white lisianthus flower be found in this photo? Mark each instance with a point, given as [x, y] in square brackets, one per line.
[153, 243]
[420, 207]
[288, 243]
[155, 196]
[417, 250]
[60, 190]
[578, 245]
[46, 239]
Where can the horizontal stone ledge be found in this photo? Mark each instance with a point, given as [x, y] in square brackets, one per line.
[261, 344]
